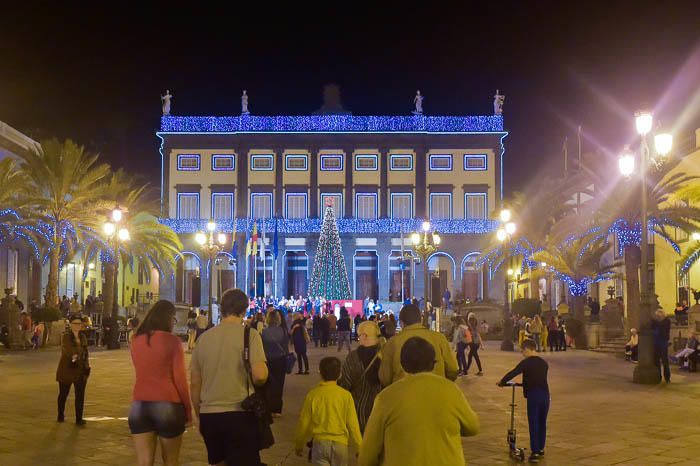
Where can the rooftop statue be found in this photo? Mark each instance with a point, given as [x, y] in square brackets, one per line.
[418, 101]
[166, 102]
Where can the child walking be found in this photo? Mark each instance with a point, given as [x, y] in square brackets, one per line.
[536, 391]
[329, 419]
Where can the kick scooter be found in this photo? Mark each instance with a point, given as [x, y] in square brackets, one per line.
[515, 452]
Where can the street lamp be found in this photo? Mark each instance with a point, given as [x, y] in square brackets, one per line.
[211, 248]
[646, 371]
[504, 235]
[425, 243]
[116, 234]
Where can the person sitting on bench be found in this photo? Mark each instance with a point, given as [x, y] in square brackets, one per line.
[631, 348]
[687, 357]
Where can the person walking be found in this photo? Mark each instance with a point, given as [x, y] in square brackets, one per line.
[661, 331]
[220, 382]
[360, 372]
[445, 362]
[328, 418]
[202, 324]
[275, 341]
[553, 335]
[325, 330]
[344, 326]
[161, 406]
[474, 345]
[316, 328]
[73, 369]
[461, 339]
[404, 428]
[300, 338]
[191, 330]
[332, 328]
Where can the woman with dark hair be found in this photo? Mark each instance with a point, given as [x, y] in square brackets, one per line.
[161, 406]
[276, 342]
[300, 338]
[73, 368]
[475, 344]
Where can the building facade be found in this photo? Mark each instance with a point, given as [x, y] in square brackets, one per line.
[383, 176]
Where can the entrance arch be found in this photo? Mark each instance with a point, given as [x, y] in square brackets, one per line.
[442, 265]
[187, 278]
[472, 277]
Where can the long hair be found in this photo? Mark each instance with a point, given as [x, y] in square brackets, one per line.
[159, 317]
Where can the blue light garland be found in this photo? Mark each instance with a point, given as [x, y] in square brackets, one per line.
[579, 287]
[345, 225]
[332, 123]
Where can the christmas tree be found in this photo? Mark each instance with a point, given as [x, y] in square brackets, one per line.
[329, 278]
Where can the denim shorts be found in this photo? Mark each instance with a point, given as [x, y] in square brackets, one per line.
[165, 418]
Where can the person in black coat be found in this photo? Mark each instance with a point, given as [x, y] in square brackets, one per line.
[325, 331]
[300, 338]
[661, 333]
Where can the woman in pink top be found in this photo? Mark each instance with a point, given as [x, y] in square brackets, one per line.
[161, 406]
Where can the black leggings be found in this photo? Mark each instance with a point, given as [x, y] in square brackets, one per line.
[473, 353]
[301, 357]
[64, 390]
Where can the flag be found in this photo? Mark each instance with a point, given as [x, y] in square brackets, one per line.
[275, 246]
[402, 263]
[254, 239]
[247, 244]
[262, 241]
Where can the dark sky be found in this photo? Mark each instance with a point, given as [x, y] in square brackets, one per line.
[95, 72]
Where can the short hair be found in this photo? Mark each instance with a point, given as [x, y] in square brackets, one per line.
[369, 327]
[529, 344]
[410, 314]
[329, 368]
[234, 302]
[417, 355]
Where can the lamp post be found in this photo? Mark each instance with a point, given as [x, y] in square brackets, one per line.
[425, 243]
[504, 235]
[211, 248]
[116, 234]
[646, 371]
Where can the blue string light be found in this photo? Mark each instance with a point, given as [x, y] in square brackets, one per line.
[332, 123]
[345, 225]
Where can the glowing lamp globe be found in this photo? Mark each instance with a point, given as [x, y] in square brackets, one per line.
[643, 122]
[117, 215]
[626, 162]
[436, 239]
[91, 266]
[505, 215]
[501, 234]
[222, 238]
[415, 238]
[200, 238]
[695, 236]
[426, 226]
[109, 228]
[211, 226]
[124, 234]
[510, 228]
[510, 272]
[663, 144]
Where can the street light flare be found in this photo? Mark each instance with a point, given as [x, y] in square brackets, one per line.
[663, 143]
[626, 162]
[643, 121]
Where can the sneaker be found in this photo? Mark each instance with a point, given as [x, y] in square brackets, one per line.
[80, 422]
[534, 458]
[460, 374]
[539, 454]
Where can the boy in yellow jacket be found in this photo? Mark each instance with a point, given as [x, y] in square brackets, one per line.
[329, 419]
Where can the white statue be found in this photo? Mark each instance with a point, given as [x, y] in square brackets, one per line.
[166, 102]
[498, 103]
[418, 101]
[244, 103]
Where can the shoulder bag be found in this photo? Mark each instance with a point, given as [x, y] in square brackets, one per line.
[255, 403]
[289, 359]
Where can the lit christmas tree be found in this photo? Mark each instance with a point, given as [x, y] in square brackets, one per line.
[329, 278]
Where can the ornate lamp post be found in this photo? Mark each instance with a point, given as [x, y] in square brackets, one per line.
[425, 243]
[116, 234]
[504, 235]
[646, 371]
[212, 249]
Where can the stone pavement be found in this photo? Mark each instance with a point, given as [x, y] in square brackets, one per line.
[597, 416]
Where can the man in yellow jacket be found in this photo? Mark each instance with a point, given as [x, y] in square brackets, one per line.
[328, 417]
[421, 418]
[445, 359]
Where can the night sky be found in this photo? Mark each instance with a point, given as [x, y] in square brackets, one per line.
[94, 73]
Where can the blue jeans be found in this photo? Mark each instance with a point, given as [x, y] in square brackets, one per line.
[537, 409]
[461, 358]
[536, 337]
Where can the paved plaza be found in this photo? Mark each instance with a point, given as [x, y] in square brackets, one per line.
[597, 415]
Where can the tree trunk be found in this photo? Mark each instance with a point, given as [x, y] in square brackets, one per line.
[52, 285]
[534, 285]
[580, 339]
[633, 260]
[108, 291]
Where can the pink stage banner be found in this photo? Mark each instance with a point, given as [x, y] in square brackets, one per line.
[354, 306]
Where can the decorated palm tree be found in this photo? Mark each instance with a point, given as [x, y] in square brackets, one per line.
[150, 243]
[576, 261]
[15, 215]
[65, 189]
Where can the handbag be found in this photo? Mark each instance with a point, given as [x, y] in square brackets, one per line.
[289, 359]
[255, 403]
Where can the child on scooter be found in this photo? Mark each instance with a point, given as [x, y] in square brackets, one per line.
[536, 391]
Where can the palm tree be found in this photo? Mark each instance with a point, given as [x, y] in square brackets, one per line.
[618, 213]
[577, 262]
[65, 187]
[151, 243]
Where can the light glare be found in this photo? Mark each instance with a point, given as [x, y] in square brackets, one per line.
[643, 122]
